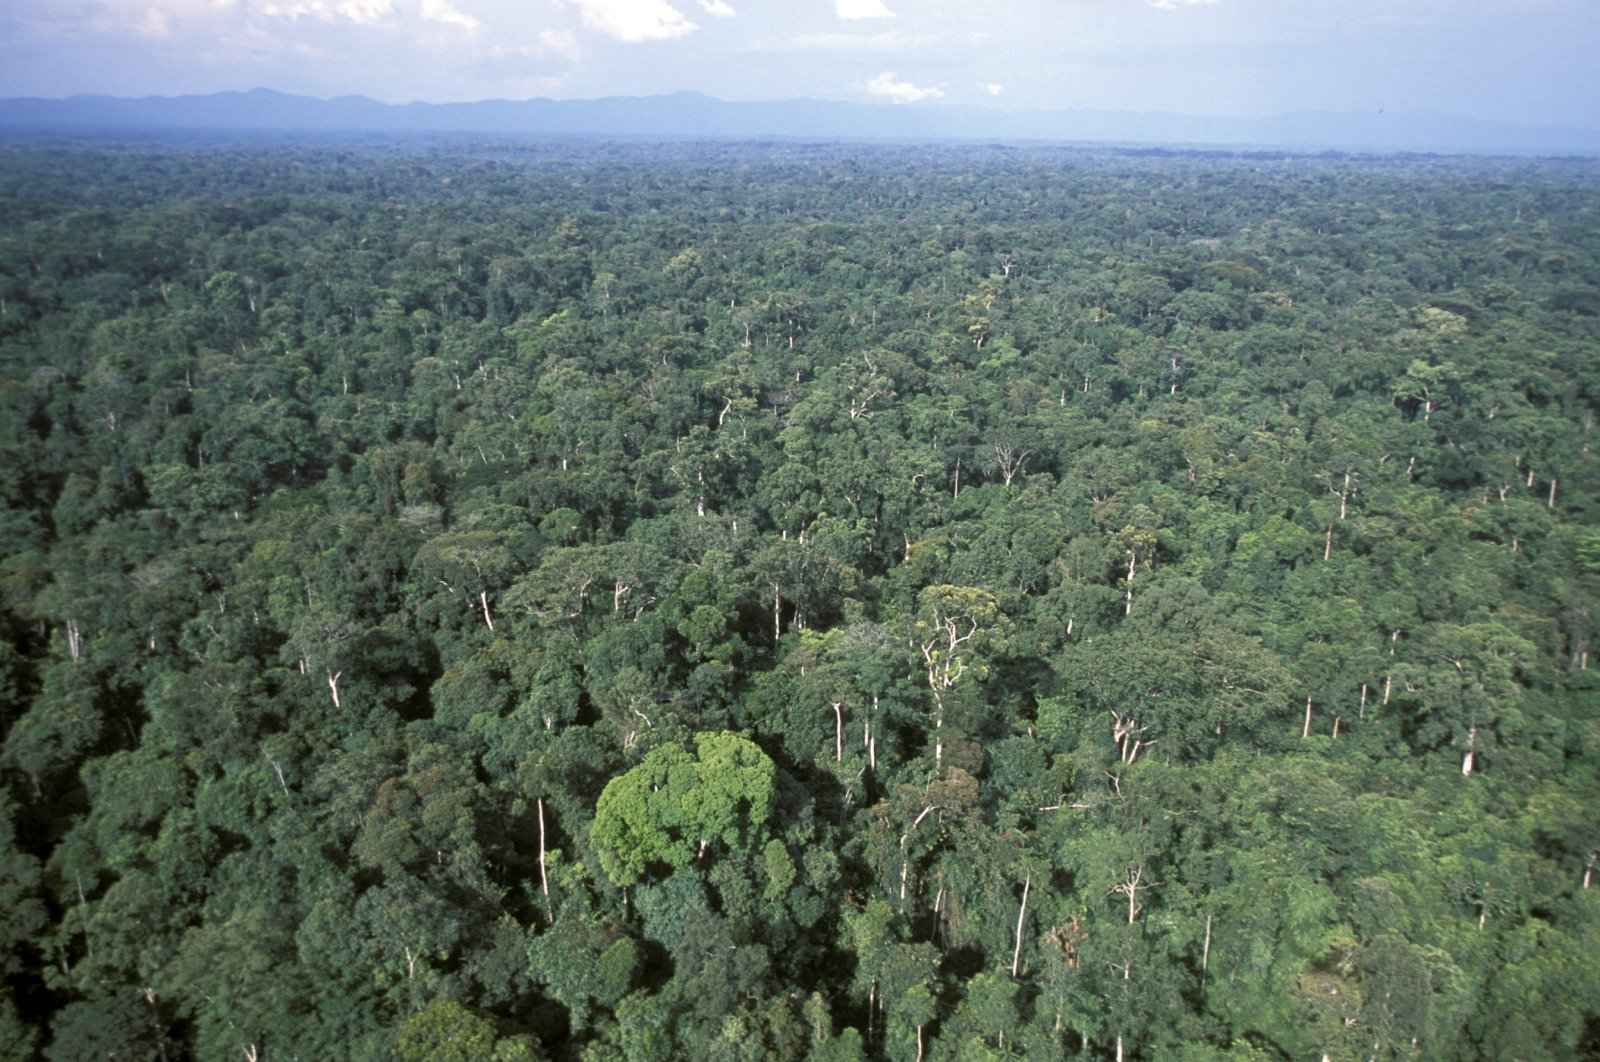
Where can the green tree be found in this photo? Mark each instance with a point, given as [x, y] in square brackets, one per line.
[675, 806]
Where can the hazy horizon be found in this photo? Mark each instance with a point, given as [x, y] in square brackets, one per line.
[1482, 59]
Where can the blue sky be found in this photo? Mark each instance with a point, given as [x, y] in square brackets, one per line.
[1520, 60]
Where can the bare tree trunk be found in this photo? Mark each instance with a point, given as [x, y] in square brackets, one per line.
[838, 733]
[1130, 889]
[1133, 564]
[905, 857]
[483, 599]
[544, 881]
[155, 1021]
[276, 769]
[1305, 732]
[333, 686]
[1016, 954]
[1205, 955]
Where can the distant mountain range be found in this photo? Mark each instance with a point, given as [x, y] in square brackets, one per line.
[688, 114]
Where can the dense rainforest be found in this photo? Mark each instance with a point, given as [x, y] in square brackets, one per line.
[487, 599]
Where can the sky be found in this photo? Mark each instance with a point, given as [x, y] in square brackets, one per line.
[1528, 61]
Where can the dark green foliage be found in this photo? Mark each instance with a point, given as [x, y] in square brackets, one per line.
[505, 600]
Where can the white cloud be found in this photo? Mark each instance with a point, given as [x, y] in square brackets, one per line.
[635, 20]
[854, 9]
[717, 8]
[364, 12]
[446, 12]
[1172, 5]
[885, 84]
[561, 43]
[833, 42]
[883, 41]
[992, 88]
[154, 24]
[550, 42]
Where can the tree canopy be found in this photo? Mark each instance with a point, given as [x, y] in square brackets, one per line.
[519, 599]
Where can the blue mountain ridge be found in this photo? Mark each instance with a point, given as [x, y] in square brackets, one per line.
[689, 114]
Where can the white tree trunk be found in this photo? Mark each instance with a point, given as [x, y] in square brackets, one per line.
[1016, 954]
[544, 881]
[1133, 566]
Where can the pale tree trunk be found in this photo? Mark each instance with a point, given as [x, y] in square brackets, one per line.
[905, 857]
[1126, 733]
[1130, 889]
[544, 881]
[333, 686]
[155, 1021]
[838, 733]
[276, 769]
[1016, 954]
[1305, 731]
[1127, 975]
[483, 599]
